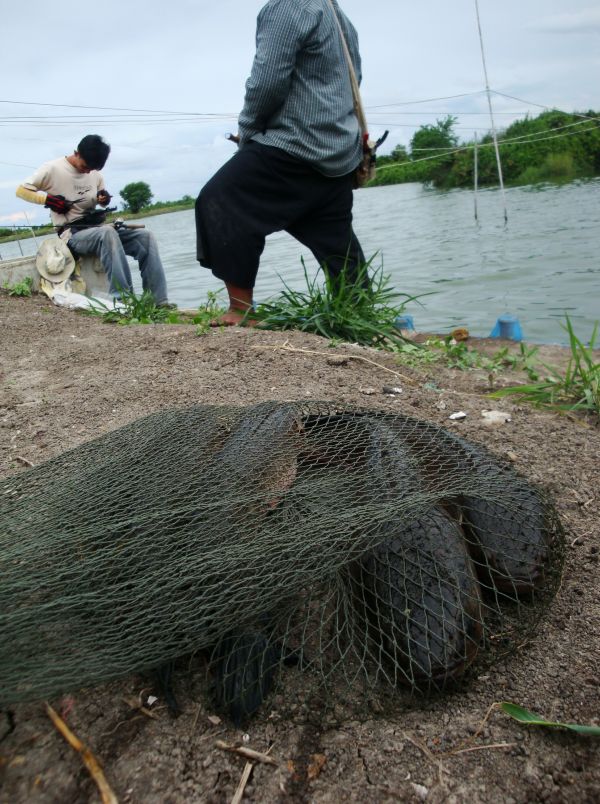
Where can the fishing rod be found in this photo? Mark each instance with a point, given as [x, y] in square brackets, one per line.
[97, 217]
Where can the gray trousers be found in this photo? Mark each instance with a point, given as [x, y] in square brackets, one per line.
[112, 245]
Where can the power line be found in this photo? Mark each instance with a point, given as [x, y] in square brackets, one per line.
[165, 111]
[153, 117]
[230, 115]
[540, 106]
[215, 116]
[115, 117]
[426, 100]
[454, 112]
[544, 139]
[108, 108]
[108, 122]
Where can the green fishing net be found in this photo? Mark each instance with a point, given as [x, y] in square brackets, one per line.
[362, 546]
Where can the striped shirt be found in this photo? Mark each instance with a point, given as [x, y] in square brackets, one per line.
[298, 96]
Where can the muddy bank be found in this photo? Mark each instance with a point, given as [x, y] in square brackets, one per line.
[68, 378]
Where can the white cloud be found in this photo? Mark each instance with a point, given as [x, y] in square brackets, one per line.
[17, 218]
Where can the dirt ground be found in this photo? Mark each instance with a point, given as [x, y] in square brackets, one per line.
[68, 378]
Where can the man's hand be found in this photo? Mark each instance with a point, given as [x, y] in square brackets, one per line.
[58, 203]
[103, 198]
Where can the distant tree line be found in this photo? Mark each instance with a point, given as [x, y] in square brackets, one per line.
[19, 231]
[552, 146]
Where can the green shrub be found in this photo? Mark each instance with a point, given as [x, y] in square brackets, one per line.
[22, 288]
[560, 165]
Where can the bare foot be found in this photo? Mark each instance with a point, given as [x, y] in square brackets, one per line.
[234, 318]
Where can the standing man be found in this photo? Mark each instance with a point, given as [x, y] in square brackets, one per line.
[70, 187]
[299, 146]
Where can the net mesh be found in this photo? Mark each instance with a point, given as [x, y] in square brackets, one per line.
[365, 547]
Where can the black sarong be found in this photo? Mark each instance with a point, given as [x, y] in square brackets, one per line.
[262, 190]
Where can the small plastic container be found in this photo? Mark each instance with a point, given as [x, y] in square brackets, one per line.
[507, 326]
[404, 322]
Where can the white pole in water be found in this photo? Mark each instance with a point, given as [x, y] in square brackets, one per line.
[32, 232]
[475, 174]
[487, 89]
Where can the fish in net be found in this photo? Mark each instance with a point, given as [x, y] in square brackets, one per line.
[363, 547]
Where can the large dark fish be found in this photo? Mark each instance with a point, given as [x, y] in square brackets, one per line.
[163, 679]
[508, 524]
[258, 462]
[417, 585]
[511, 544]
[244, 665]
[422, 599]
[384, 468]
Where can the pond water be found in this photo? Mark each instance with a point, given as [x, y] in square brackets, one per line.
[544, 263]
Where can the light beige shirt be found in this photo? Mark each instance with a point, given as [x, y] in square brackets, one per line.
[59, 177]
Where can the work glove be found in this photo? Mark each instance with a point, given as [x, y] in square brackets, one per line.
[58, 203]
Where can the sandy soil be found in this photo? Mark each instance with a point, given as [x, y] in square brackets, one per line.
[68, 378]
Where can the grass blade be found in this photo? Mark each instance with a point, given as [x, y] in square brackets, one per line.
[525, 716]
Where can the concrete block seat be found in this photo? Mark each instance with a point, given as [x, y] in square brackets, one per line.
[88, 268]
[93, 275]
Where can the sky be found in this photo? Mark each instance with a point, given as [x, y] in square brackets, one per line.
[163, 82]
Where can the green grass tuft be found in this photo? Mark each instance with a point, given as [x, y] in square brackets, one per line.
[144, 310]
[208, 312]
[361, 311]
[136, 310]
[578, 388]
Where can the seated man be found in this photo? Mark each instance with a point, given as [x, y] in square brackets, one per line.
[70, 187]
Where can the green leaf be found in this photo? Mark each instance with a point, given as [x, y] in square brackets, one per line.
[524, 716]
